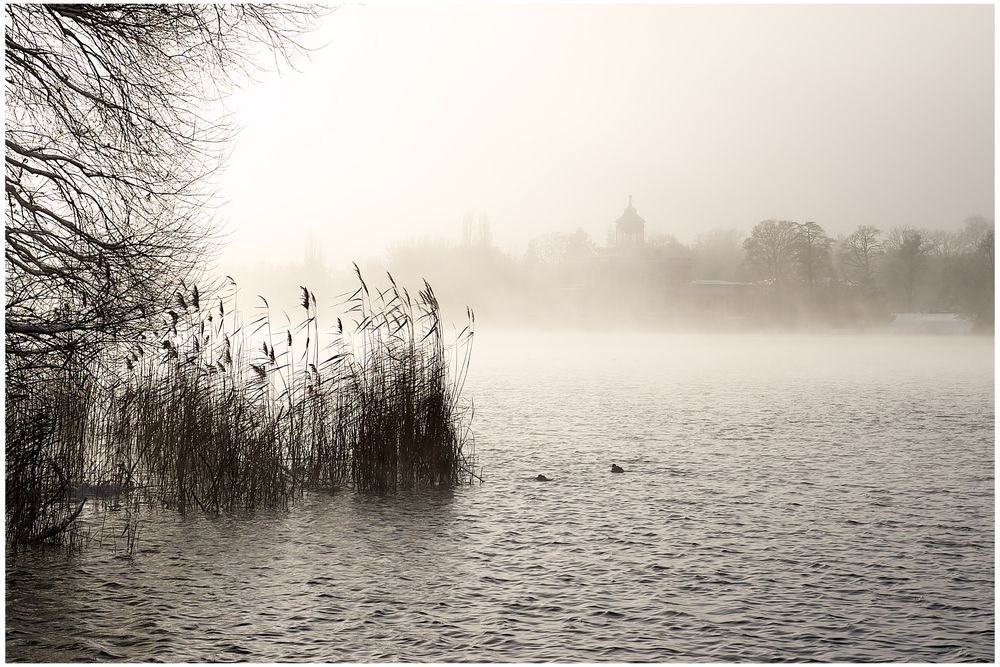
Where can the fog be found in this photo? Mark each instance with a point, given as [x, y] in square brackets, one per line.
[406, 123]
[735, 400]
[531, 126]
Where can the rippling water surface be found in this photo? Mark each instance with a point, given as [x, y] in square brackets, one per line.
[785, 498]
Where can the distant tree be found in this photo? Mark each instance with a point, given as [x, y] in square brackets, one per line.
[976, 277]
[812, 251]
[772, 249]
[477, 234]
[668, 244]
[467, 229]
[905, 252]
[107, 150]
[988, 249]
[556, 248]
[941, 242]
[859, 252]
[984, 299]
[485, 236]
[974, 229]
[546, 249]
[579, 247]
[941, 282]
[718, 255]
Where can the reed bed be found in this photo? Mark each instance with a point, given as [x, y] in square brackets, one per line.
[213, 413]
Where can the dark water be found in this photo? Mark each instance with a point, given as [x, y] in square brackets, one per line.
[785, 498]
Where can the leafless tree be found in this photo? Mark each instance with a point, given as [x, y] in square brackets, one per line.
[976, 272]
[812, 250]
[109, 140]
[771, 249]
[975, 229]
[988, 248]
[859, 252]
[906, 252]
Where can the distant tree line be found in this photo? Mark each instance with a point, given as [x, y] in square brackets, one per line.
[794, 273]
[903, 270]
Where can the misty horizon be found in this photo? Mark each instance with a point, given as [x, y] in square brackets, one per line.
[712, 117]
[499, 333]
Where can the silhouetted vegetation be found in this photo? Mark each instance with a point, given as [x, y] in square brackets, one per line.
[108, 146]
[212, 414]
[122, 387]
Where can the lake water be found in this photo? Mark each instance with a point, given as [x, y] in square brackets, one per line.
[785, 498]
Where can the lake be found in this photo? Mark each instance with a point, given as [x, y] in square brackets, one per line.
[785, 497]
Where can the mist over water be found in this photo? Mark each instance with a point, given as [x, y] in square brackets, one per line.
[713, 116]
[700, 251]
[786, 497]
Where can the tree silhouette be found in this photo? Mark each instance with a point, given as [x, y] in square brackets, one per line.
[771, 249]
[108, 142]
[860, 251]
[812, 251]
[906, 250]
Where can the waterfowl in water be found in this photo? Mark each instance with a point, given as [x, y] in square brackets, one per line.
[542, 478]
[616, 468]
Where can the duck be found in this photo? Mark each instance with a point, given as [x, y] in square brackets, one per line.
[542, 478]
[616, 468]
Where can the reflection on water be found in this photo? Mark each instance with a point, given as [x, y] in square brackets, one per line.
[805, 498]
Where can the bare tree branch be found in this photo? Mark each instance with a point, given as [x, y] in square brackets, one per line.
[109, 145]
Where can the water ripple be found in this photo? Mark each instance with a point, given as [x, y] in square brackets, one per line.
[791, 512]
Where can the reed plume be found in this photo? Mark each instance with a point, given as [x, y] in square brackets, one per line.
[214, 414]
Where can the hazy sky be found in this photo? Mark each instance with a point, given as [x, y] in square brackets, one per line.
[547, 117]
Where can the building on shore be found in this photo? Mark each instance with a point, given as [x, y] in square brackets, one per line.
[631, 273]
[651, 270]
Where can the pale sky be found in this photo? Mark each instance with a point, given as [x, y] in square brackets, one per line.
[546, 117]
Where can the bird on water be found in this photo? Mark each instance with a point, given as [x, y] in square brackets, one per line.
[542, 478]
[616, 468]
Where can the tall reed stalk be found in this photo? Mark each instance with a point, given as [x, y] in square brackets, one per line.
[218, 414]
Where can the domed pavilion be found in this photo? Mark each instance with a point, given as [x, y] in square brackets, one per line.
[630, 228]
